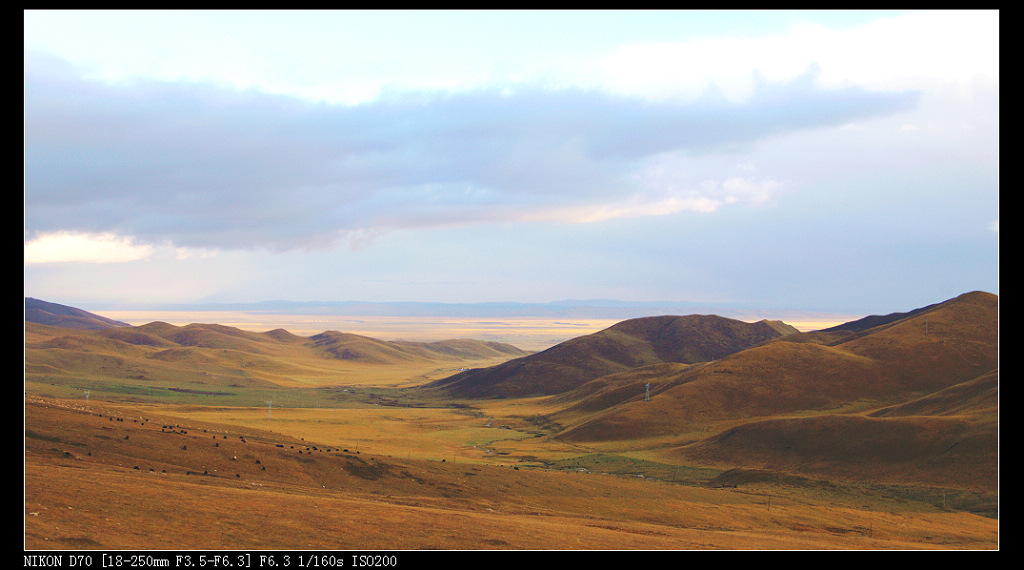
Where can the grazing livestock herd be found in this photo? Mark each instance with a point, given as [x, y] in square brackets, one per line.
[227, 455]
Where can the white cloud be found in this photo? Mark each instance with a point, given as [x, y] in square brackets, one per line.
[73, 247]
[106, 247]
[738, 189]
[636, 206]
[906, 51]
[704, 197]
[685, 185]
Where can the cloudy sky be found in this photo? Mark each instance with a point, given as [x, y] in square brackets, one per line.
[832, 161]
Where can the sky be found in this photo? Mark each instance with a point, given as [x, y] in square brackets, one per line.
[826, 160]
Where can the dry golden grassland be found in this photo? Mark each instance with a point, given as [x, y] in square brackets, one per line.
[223, 440]
[130, 476]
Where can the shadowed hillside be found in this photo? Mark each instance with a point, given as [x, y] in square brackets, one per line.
[46, 313]
[942, 451]
[872, 321]
[953, 342]
[913, 399]
[622, 347]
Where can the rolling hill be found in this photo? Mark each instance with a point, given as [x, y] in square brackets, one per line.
[912, 399]
[209, 358]
[892, 418]
[46, 313]
[627, 345]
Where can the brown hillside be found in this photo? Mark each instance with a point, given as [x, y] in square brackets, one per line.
[282, 335]
[157, 328]
[216, 336]
[149, 361]
[613, 389]
[873, 321]
[951, 343]
[133, 335]
[780, 377]
[463, 348]
[624, 346]
[979, 396]
[911, 403]
[85, 340]
[358, 348]
[53, 314]
[943, 451]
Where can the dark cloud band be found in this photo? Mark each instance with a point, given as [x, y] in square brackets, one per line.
[203, 166]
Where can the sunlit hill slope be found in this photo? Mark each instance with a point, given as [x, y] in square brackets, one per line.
[158, 358]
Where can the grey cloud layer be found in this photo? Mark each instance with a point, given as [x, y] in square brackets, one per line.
[201, 166]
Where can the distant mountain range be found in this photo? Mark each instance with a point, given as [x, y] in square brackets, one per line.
[569, 308]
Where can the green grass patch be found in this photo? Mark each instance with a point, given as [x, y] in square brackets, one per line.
[627, 466]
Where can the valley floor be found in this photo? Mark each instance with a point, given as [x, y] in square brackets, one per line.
[123, 480]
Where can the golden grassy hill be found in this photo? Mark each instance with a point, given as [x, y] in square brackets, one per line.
[158, 359]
